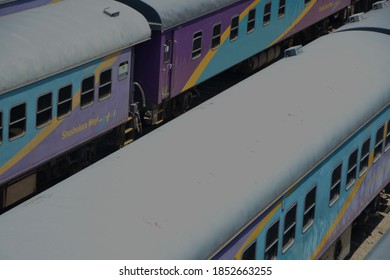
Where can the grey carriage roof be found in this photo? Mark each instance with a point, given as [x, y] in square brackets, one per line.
[182, 190]
[165, 14]
[40, 42]
[381, 250]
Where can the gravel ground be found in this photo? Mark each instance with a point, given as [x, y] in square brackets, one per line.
[367, 234]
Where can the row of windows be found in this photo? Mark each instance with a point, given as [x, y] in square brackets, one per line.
[234, 25]
[44, 108]
[290, 218]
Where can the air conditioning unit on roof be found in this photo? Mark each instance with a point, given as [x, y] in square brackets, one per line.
[379, 5]
[293, 51]
[356, 17]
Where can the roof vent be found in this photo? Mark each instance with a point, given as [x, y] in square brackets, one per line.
[379, 5]
[293, 51]
[356, 17]
[111, 12]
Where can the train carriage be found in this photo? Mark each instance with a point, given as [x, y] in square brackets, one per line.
[310, 154]
[67, 80]
[194, 41]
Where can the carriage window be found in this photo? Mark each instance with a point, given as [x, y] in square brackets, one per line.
[64, 106]
[378, 143]
[335, 186]
[282, 8]
[17, 124]
[310, 207]
[87, 92]
[197, 45]
[250, 252]
[290, 221]
[44, 110]
[105, 85]
[352, 169]
[123, 70]
[234, 28]
[387, 140]
[271, 242]
[267, 14]
[216, 41]
[251, 21]
[1, 127]
[307, 2]
[364, 154]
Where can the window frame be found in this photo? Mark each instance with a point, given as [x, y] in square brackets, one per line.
[335, 184]
[216, 37]
[275, 241]
[88, 91]
[350, 183]
[251, 247]
[364, 157]
[308, 209]
[307, 2]
[196, 53]
[281, 9]
[40, 112]
[292, 228]
[20, 120]
[267, 15]
[234, 31]
[387, 137]
[65, 101]
[1, 127]
[251, 25]
[106, 96]
[378, 147]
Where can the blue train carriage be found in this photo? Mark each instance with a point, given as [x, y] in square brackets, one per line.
[13, 6]
[194, 41]
[305, 162]
[65, 77]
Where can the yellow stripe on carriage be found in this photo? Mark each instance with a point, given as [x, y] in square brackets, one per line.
[256, 232]
[340, 215]
[210, 54]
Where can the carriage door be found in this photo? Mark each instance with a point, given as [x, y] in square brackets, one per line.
[167, 66]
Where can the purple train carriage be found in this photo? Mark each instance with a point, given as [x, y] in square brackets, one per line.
[195, 40]
[65, 80]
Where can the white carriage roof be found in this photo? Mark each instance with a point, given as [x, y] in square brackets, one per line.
[185, 188]
[43, 41]
[166, 14]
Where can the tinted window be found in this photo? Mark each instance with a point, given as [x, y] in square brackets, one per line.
[87, 92]
[234, 28]
[309, 211]
[271, 242]
[105, 85]
[197, 45]
[216, 40]
[44, 110]
[17, 124]
[64, 105]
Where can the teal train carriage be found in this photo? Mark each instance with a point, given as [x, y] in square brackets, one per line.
[276, 167]
[62, 85]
